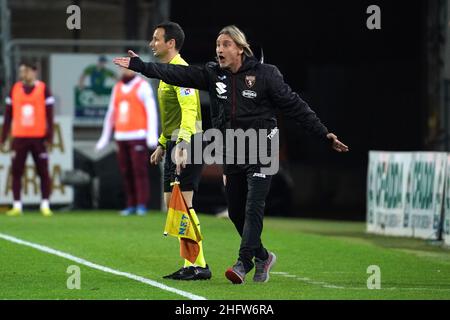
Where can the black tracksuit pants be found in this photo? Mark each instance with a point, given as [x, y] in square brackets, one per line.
[246, 192]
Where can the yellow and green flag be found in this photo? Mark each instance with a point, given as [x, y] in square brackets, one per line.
[182, 224]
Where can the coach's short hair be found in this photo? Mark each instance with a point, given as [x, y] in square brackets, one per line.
[173, 31]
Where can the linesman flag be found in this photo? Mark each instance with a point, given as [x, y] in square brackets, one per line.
[183, 224]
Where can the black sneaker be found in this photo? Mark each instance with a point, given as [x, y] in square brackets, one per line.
[198, 273]
[182, 272]
[236, 274]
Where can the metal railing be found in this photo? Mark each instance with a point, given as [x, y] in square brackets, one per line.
[17, 49]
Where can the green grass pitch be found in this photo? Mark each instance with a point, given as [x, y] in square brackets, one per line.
[316, 259]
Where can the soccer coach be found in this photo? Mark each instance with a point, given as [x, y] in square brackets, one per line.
[226, 80]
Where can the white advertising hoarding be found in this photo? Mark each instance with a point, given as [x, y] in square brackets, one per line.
[405, 192]
[426, 194]
[82, 85]
[446, 224]
[387, 191]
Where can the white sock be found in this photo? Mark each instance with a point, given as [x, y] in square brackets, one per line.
[17, 205]
[45, 204]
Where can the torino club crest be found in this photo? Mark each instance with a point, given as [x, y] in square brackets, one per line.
[250, 81]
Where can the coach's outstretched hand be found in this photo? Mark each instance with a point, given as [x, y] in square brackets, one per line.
[125, 61]
[337, 145]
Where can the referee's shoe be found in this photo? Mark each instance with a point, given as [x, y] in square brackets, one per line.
[191, 273]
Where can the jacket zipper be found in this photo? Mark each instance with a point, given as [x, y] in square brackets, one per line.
[233, 106]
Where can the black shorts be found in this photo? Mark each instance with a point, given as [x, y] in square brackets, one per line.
[190, 176]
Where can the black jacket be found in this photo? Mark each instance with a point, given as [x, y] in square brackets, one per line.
[245, 99]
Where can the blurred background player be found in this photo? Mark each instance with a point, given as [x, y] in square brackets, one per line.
[180, 110]
[133, 116]
[98, 74]
[29, 108]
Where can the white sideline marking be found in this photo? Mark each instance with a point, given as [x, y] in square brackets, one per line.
[332, 286]
[101, 268]
[308, 280]
[282, 273]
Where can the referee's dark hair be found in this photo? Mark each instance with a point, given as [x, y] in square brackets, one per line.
[29, 64]
[173, 31]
